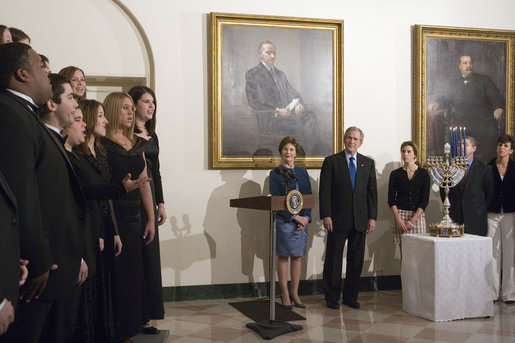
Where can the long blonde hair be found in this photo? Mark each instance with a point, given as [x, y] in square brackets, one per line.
[113, 107]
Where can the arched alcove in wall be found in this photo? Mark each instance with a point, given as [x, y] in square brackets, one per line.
[102, 37]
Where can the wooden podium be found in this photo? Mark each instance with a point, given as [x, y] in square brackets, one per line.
[271, 204]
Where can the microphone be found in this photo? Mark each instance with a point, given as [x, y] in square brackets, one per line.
[284, 173]
[292, 175]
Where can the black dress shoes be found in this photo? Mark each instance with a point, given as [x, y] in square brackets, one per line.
[150, 330]
[332, 305]
[353, 304]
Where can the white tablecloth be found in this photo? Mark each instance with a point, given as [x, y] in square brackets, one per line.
[447, 278]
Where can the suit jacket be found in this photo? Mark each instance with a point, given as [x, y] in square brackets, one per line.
[504, 190]
[348, 207]
[50, 202]
[475, 101]
[474, 104]
[9, 244]
[470, 206]
[264, 94]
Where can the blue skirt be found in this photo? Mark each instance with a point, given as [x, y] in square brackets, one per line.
[290, 242]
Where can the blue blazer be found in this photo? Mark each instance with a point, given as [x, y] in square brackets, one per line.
[278, 187]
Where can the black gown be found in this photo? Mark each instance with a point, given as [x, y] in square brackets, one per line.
[127, 277]
[151, 252]
[94, 321]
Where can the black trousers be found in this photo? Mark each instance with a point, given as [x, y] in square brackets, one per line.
[333, 265]
[42, 321]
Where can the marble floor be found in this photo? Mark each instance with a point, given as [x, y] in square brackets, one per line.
[380, 319]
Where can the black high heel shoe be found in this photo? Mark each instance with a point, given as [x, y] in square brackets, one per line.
[287, 306]
[295, 304]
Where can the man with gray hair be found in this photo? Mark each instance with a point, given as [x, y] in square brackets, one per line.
[278, 106]
[348, 209]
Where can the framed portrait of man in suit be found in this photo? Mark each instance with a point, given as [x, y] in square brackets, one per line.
[464, 77]
[273, 77]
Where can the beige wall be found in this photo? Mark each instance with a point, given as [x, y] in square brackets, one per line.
[204, 241]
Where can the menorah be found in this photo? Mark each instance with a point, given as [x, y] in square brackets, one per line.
[447, 171]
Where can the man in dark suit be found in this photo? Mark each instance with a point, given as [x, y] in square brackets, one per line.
[348, 208]
[59, 113]
[9, 256]
[472, 196]
[48, 196]
[277, 104]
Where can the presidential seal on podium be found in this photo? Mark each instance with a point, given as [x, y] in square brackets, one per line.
[294, 201]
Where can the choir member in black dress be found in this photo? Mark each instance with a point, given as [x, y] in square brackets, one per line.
[146, 106]
[125, 154]
[94, 153]
[94, 324]
[408, 194]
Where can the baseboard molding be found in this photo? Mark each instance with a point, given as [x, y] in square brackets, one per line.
[260, 289]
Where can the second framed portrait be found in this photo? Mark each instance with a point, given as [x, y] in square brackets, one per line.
[464, 78]
[274, 77]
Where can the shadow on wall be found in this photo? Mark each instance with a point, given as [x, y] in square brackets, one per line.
[252, 226]
[181, 246]
[380, 250]
[315, 228]
[254, 232]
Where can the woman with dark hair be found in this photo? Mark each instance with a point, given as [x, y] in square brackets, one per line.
[18, 36]
[292, 230]
[5, 35]
[77, 80]
[46, 63]
[92, 151]
[95, 315]
[125, 154]
[501, 221]
[145, 115]
[408, 194]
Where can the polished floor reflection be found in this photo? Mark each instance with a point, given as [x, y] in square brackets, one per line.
[380, 319]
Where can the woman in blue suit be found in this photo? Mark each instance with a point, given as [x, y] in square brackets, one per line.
[291, 229]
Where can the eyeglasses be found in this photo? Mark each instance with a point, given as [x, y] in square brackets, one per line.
[127, 107]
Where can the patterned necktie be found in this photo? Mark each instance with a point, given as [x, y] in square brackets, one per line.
[352, 171]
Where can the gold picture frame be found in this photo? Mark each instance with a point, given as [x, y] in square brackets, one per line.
[248, 112]
[444, 96]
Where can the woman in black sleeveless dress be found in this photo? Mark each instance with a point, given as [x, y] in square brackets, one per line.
[125, 154]
[145, 114]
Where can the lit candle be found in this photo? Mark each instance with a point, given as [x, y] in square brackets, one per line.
[461, 141]
[464, 141]
[456, 140]
[455, 137]
[453, 143]
[450, 138]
